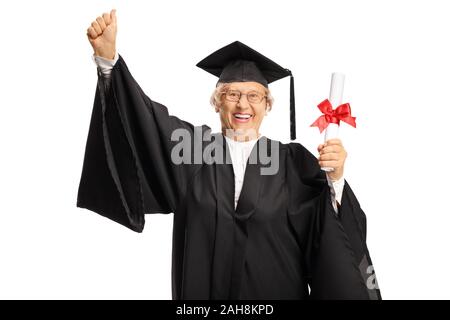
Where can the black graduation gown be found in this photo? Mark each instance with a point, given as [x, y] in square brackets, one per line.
[283, 236]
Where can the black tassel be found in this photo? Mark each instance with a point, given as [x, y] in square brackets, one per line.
[292, 110]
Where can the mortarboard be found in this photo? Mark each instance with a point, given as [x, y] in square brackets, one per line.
[238, 62]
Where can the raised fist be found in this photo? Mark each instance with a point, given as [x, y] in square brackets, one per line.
[102, 35]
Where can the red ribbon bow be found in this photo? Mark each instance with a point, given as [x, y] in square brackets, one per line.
[341, 113]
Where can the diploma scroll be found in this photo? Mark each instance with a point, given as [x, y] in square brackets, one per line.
[335, 98]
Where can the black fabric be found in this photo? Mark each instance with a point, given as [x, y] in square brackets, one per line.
[239, 62]
[283, 236]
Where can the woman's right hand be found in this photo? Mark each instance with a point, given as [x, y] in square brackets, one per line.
[102, 35]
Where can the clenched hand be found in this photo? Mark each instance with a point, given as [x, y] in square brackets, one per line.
[102, 35]
[332, 154]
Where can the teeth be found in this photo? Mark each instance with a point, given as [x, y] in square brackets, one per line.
[242, 116]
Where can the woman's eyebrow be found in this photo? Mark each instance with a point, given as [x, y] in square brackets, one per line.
[246, 90]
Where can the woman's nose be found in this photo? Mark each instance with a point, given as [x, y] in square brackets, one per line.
[243, 103]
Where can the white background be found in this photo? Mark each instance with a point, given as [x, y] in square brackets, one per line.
[395, 55]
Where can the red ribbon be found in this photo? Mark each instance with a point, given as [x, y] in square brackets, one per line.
[341, 113]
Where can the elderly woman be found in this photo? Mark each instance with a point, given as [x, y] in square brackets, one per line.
[244, 227]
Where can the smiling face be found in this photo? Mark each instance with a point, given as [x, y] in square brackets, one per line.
[243, 117]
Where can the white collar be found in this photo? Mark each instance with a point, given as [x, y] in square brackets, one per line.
[242, 144]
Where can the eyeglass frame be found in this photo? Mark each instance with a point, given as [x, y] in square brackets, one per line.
[264, 96]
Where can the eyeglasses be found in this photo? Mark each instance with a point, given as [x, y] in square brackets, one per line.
[252, 96]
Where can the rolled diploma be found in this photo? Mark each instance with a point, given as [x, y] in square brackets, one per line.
[335, 98]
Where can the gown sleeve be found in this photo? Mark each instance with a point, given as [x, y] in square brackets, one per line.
[336, 257]
[127, 169]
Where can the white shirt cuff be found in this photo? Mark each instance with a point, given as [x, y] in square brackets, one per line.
[105, 65]
[336, 189]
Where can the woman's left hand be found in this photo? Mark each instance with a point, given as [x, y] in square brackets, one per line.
[332, 154]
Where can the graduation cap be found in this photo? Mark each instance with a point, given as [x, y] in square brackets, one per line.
[238, 62]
